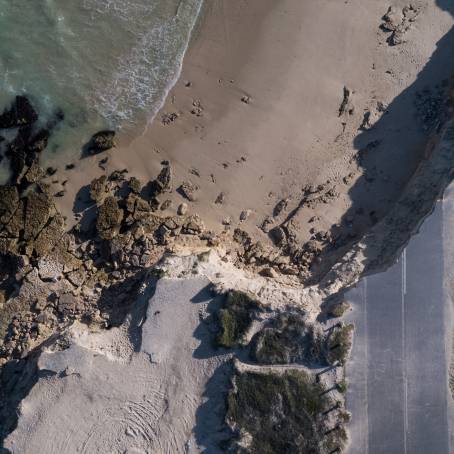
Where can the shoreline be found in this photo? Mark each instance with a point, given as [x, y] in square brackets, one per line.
[282, 171]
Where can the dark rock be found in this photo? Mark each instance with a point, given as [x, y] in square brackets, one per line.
[244, 215]
[70, 166]
[165, 178]
[168, 118]
[17, 154]
[163, 183]
[21, 113]
[280, 207]
[188, 190]
[135, 185]
[138, 208]
[267, 224]
[67, 303]
[166, 204]
[109, 218]
[118, 175]
[37, 212]
[98, 189]
[38, 142]
[50, 236]
[220, 199]
[277, 235]
[34, 173]
[16, 223]
[101, 141]
[193, 225]
[346, 104]
[182, 209]
[242, 237]
[268, 272]
[9, 200]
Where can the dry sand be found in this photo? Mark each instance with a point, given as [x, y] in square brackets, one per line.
[137, 389]
[258, 118]
[291, 59]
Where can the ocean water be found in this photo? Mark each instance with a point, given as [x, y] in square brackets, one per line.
[104, 63]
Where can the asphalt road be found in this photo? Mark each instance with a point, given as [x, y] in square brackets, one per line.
[398, 392]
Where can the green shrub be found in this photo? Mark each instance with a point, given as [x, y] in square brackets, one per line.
[280, 413]
[235, 318]
[339, 344]
[271, 348]
[338, 310]
[342, 386]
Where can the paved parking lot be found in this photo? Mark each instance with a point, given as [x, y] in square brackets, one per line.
[398, 391]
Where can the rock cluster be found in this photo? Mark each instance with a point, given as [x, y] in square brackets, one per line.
[49, 276]
[30, 140]
[397, 22]
[291, 257]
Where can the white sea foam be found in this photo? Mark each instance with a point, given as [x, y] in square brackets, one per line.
[105, 63]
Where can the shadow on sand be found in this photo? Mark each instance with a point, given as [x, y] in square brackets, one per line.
[388, 156]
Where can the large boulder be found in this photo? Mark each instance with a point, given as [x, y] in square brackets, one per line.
[101, 141]
[99, 189]
[38, 210]
[50, 236]
[162, 183]
[109, 218]
[9, 200]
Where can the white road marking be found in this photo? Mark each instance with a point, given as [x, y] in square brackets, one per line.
[366, 363]
[404, 363]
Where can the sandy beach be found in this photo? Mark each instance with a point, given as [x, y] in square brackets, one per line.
[301, 148]
[290, 69]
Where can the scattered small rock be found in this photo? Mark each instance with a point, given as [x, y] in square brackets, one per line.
[188, 190]
[280, 207]
[346, 104]
[197, 108]
[220, 199]
[182, 209]
[397, 22]
[169, 118]
[269, 272]
[165, 205]
[135, 185]
[244, 215]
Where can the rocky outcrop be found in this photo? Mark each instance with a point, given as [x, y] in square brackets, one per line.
[21, 113]
[38, 208]
[99, 189]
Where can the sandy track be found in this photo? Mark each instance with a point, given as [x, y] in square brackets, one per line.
[145, 402]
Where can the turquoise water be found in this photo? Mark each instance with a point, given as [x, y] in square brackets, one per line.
[104, 63]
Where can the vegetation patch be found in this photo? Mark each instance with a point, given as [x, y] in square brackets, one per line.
[235, 318]
[288, 340]
[288, 413]
[338, 310]
[340, 344]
